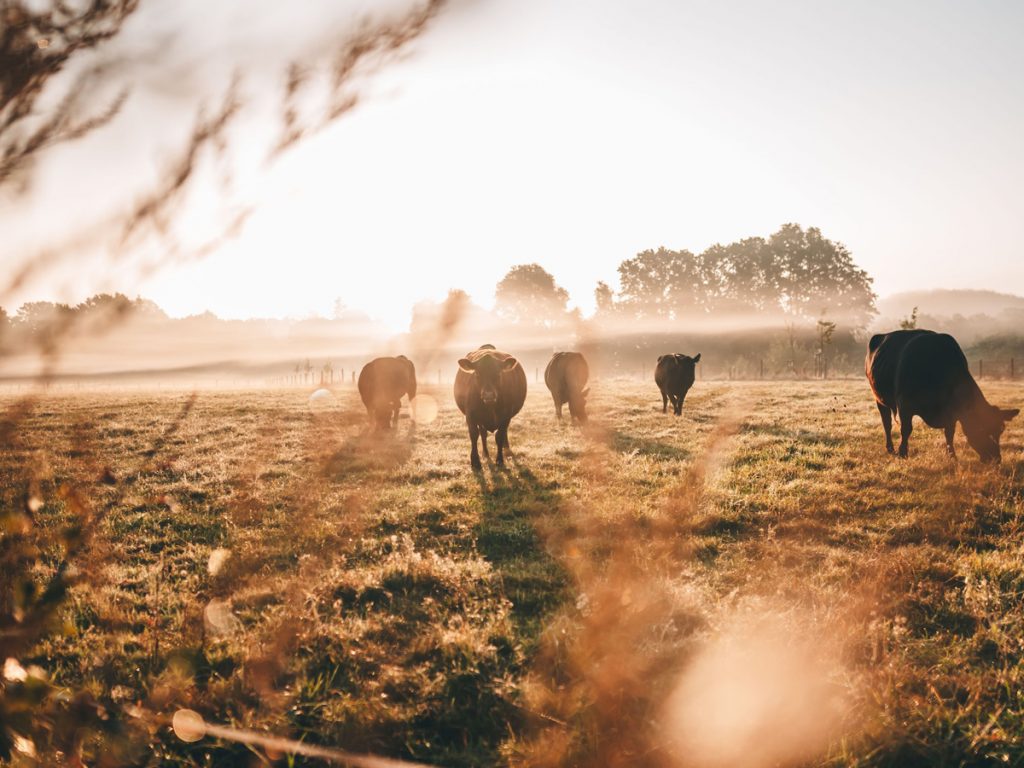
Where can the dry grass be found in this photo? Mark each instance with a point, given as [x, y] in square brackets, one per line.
[761, 554]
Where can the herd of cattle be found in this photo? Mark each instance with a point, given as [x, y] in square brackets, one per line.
[911, 373]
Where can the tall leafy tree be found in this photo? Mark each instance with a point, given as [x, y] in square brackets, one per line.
[815, 275]
[662, 283]
[529, 295]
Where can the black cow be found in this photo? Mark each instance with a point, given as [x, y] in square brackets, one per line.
[923, 373]
[382, 383]
[674, 376]
[566, 376]
[490, 388]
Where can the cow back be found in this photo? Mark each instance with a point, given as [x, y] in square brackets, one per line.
[386, 379]
[566, 372]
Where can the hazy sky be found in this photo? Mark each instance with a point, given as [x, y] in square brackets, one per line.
[575, 134]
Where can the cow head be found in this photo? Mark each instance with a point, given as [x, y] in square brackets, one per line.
[984, 429]
[578, 405]
[486, 371]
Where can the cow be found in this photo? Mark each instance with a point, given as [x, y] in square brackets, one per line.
[923, 373]
[382, 383]
[490, 388]
[674, 376]
[566, 377]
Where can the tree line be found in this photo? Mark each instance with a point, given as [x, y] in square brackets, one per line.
[795, 274]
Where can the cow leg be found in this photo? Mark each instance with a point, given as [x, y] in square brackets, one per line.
[483, 440]
[474, 455]
[677, 404]
[886, 413]
[950, 432]
[558, 407]
[664, 402]
[396, 409]
[502, 438]
[906, 427]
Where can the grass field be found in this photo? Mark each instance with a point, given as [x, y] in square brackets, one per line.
[753, 583]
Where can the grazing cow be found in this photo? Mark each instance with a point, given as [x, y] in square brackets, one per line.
[674, 376]
[566, 377]
[490, 388]
[382, 383]
[923, 373]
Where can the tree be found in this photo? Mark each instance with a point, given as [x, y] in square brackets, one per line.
[604, 298]
[909, 323]
[812, 272]
[662, 284]
[528, 295]
[738, 277]
[826, 328]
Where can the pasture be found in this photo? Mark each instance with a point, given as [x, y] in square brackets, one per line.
[752, 583]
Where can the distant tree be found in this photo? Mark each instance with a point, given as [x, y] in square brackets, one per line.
[739, 277]
[107, 303]
[528, 295]
[811, 272]
[909, 323]
[604, 298]
[826, 329]
[148, 309]
[662, 283]
[36, 318]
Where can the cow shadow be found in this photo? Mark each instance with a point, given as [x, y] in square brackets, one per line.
[514, 502]
[371, 449]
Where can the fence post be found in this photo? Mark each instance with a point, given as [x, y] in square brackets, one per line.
[762, 370]
[1011, 369]
[981, 369]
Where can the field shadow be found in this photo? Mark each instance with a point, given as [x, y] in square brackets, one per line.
[795, 434]
[514, 499]
[623, 442]
[371, 450]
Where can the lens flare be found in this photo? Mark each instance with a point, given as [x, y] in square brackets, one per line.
[219, 619]
[217, 559]
[321, 399]
[188, 725]
[424, 409]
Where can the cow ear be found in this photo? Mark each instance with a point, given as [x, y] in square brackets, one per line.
[1009, 413]
[466, 365]
[509, 364]
[660, 358]
[696, 358]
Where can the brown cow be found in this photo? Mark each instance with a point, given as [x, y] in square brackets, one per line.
[923, 373]
[674, 376]
[490, 388]
[566, 376]
[382, 383]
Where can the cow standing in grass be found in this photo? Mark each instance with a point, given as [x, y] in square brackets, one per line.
[674, 376]
[566, 376]
[923, 373]
[490, 388]
[382, 384]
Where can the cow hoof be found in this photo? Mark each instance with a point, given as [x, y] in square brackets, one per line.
[890, 450]
[475, 463]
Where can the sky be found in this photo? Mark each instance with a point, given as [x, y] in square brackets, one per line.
[573, 134]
